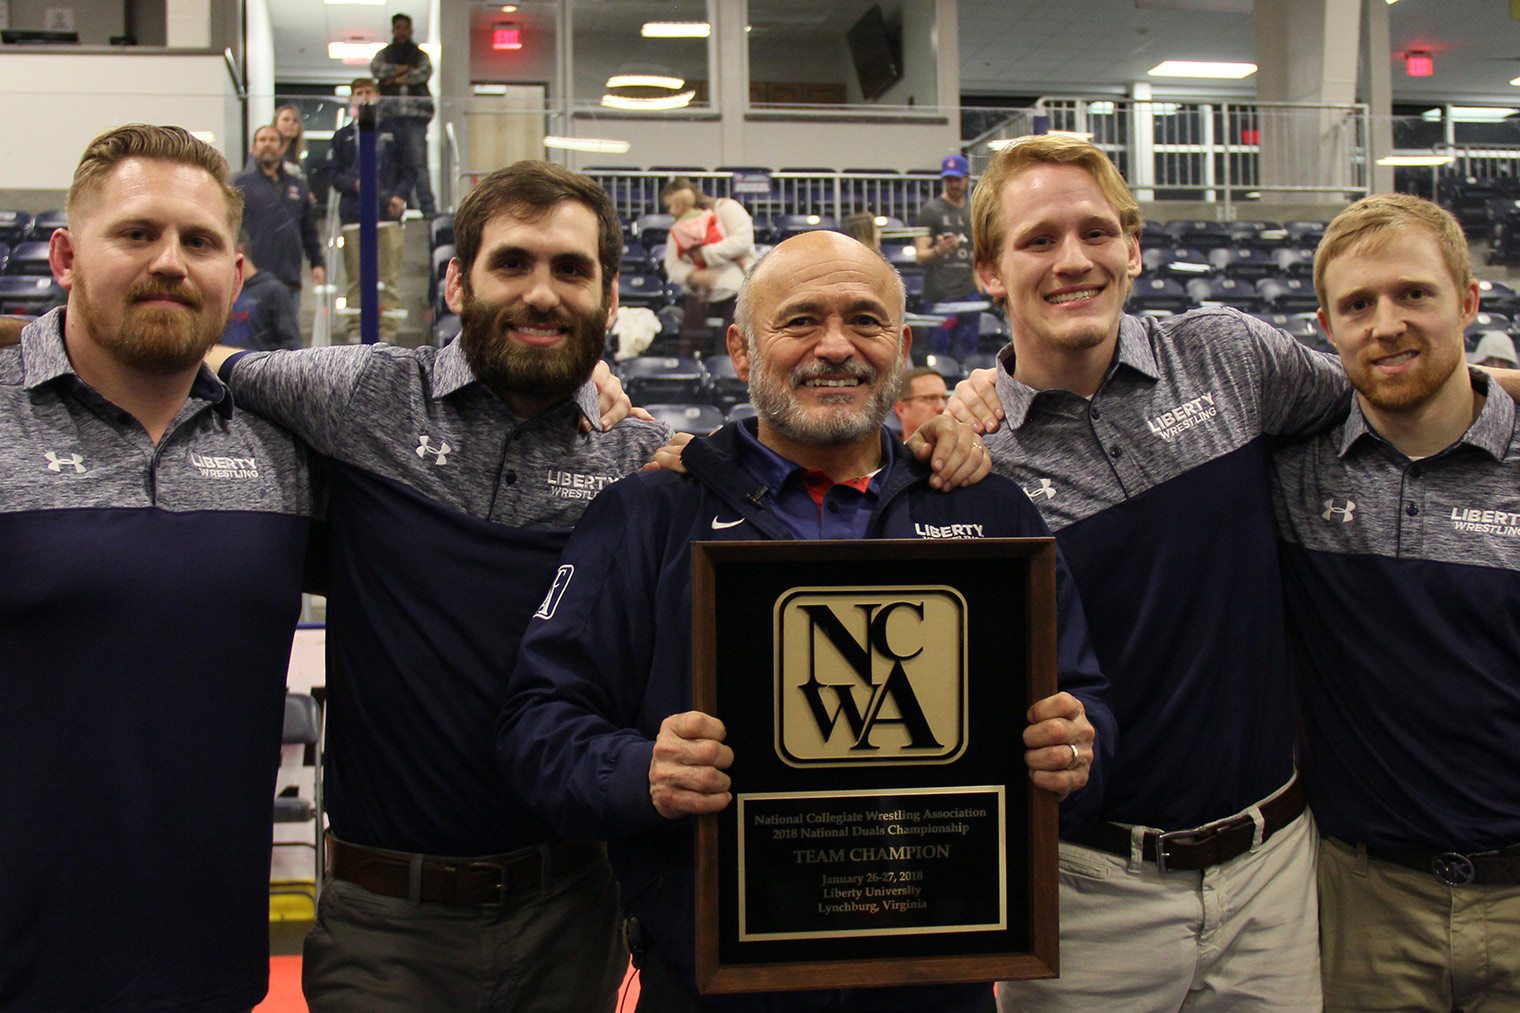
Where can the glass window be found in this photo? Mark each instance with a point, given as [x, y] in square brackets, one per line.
[641, 55]
[842, 53]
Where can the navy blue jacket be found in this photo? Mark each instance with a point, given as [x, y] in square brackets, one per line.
[608, 658]
[342, 169]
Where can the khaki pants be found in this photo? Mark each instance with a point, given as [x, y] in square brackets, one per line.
[388, 242]
[1399, 940]
[558, 950]
[1235, 938]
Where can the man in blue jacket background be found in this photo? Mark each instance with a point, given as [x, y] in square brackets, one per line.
[598, 730]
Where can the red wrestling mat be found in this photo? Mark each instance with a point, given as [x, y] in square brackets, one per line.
[285, 988]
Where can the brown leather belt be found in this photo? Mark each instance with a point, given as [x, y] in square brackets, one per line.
[491, 881]
[1199, 847]
[1454, 868]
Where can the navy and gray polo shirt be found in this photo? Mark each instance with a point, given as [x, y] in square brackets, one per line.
[448, 516]
[1156, 489]
[145, 624]
[1403, 581]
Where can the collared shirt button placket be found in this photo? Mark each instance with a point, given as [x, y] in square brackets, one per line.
[1412, 506]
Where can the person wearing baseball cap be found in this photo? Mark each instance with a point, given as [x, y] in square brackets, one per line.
[945, 254]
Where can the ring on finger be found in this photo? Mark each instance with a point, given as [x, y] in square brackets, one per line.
[1076, 756]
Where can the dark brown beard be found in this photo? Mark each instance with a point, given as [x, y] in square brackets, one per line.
[548, 374]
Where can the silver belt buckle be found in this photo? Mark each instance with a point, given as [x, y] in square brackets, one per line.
[1161, 841]
[1453, 868]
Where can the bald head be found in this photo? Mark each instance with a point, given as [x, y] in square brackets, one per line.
[818, 248]
[818, 335]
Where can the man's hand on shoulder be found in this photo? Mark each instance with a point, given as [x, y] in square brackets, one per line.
[976, 402]
[686, 771]
[611, 400]
[1059, 741]
[668, 457]
[954, 450]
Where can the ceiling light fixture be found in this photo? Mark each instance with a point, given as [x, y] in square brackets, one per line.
[601, 144]
[1196, 68]
[353, 50]
[1417, 160]
[1471, 114]
[677, 101]
[644, 81]
[676, 30]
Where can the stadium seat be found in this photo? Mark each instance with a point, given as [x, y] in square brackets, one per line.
[741, 411]
[1226, 292]
[945, 366]
[1247, 263]
[724, 388]
[446, 329]
[652, 229]
[1305, 234]
[45, 223]
[978, 360]
[1288, 295]
[14, 226]
[30, 295]
[441, 231]
[1497, 297]
[29, 258]
[1296, 324]
[642, 290]
[1158, 294]
[697, 419]
[790, 225]
[1199, 232]
[1295, 261]
[663, 379]
[303, 727]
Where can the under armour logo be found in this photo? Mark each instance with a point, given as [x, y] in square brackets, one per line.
[1344, 512]
[1046, 489]
[56, 463]
[440, 452]
[556, 592]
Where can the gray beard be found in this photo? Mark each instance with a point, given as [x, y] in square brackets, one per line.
[774, 403]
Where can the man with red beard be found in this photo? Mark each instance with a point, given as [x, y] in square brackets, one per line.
[599, 729]
[456, 475]
[154, 536]
[1402, 571]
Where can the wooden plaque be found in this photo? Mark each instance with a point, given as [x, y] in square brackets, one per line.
[883, 830]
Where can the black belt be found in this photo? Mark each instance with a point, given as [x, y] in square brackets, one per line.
[491, 881]
[1454, 868]
[1199, 847]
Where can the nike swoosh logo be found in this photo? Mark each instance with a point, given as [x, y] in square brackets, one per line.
[720, 525]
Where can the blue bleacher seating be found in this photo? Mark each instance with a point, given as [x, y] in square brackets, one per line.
[1226, 292]
[724, 388]
[1248, 263]
[652, 229]
[29, 295]
[698, 419]
[45, 223]
[663, 379]
[14, 226]
[446, 329]
[29, 258]
[1158, 294]
[1288, 295]
[642, 290]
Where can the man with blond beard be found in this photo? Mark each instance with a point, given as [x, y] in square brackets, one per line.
[154, 537]
[1402, 567]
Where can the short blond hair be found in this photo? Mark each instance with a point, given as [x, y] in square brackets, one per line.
[1380, 217]
[1044, 149]
[160, 143]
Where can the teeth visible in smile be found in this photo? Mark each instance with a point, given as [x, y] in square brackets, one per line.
[851, 382]
[1396, 360]
[1086, 293]
[541, 332]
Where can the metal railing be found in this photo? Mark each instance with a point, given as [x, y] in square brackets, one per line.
[835, 194]
[1200, 150]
